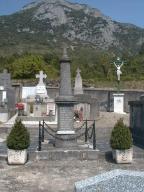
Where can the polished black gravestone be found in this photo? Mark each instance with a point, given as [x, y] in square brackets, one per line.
[137, 120]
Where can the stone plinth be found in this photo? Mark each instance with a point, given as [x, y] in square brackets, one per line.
[65, 131]
[40, 110]
[41, 91]
[119, 103]
[67, 139]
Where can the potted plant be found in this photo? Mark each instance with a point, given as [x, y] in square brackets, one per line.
[121, 143]
[17, 142]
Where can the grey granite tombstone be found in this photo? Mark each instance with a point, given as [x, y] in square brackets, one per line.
[89, 104]
[137, 120]
[5, 79]
[113, 181]
[78, 89]
[65, 102]
[7, 97]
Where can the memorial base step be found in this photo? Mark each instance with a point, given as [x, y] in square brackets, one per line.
[66, 154]
[70, 154]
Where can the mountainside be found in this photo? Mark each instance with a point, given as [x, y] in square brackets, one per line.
[50, 23]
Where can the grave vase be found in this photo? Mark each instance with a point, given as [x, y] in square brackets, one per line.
[123, 156]
[17, 157]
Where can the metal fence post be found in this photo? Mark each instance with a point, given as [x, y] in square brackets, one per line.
[109, 100]
[94, 136]
[86, 132]
[43, 131]
[39, 142]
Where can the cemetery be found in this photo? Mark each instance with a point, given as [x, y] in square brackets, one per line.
[71, 126]
[71, 96]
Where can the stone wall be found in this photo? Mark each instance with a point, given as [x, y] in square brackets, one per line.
[104, 96]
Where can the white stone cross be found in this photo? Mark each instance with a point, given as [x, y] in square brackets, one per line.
[78, 71]
[41, 76]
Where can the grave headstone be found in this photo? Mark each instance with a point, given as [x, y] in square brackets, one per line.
[41, 87]
[137, 120]
[78, 89]
[28, 92]
[119, 103]
[7, 97]
[5, 79]
[89, 104]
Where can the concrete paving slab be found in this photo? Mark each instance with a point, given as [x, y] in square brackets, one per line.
[55, 176]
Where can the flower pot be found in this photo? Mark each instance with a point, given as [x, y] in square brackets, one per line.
[17, 157]
[123, 156]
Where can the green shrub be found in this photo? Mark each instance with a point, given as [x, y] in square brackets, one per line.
[121, 137]
[19, 137]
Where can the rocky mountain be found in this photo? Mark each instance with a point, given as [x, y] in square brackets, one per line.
[50, 23]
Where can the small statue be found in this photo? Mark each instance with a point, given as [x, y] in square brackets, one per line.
[118, 63]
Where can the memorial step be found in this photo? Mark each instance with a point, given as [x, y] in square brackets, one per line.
[65, 154]
[52, 153]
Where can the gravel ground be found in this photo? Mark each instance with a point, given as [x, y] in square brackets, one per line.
[55, 176]
[60, 176]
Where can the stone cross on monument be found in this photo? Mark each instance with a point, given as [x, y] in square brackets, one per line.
[41, 76]
[41, 87]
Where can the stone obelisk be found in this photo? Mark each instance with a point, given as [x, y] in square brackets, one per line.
[65, 102]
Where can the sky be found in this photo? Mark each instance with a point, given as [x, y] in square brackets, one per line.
[126, 11]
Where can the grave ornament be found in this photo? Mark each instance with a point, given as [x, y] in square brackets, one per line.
[118, 64]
